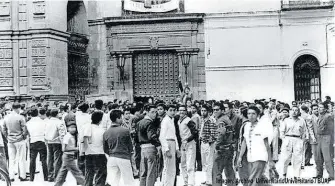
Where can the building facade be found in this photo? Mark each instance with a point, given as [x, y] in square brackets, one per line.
[137, 49]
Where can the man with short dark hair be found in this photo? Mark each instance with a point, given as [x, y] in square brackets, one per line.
[117, 144]
[170, 147]
[224, 150]
[207, 138]
[15, 131]
[307, 146]
[293, 132]
[148, 138]
[324, 126]
[36, 128]
[95, 159]
[54, 134]
[188, 134]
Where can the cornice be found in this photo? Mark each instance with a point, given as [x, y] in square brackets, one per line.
[156, 18]
[46, 32]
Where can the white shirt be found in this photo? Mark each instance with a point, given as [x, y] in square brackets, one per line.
[254, 136]
[36, 128]
[167, 131]
[94, 142]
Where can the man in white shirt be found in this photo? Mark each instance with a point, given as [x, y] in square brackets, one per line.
[82, 118]
[170, 147]
[54, 134]
[259, 151]
[36, 128]
[293, 132]
[95, 159]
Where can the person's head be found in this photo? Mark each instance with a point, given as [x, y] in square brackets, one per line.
[161, 109]
[72, 127]
[328, 98]
[253, 113]
[194, 109]
[295, 111]
[218, 109]
[73, 108]
[42, 111]
[285, 112]
[98, 104]
[16, 107]
[314, 101]
[228, 107]
[97, 117]
[315, 109]
[34, 112]
[187, 90]
[188, 103]
[83, 107]
[272, 104]
[127, 113]
[245, 104]
[237, 111]
[182, 111]
[197, 103]
[116, 116]
[54, 113]
[171, 110]
[261, 106]
[294, 103]
[152, 111]
[323, 107]
[304, 109]
[23, 106]
[205, 109]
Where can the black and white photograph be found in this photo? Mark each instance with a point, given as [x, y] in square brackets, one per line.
[167, 92]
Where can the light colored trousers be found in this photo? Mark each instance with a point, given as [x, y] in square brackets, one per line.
[17, 157]
[169, 169]
[207, 153]
[275, 143]
[292, 150]
[187, 164]
[117, 167]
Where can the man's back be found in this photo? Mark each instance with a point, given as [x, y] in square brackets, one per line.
[36, 128]
[117, 142]
[14, 127]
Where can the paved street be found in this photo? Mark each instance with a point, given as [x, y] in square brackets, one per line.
[307, 173]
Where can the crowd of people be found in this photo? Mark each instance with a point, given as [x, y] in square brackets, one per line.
[101, 143]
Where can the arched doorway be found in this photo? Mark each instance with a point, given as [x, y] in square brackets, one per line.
[307, 84]
[78, 72]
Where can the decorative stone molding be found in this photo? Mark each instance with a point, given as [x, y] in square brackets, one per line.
[6, 66]
[39, 9]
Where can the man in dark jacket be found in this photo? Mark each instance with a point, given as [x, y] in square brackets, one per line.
[224, 150]
[148, 139]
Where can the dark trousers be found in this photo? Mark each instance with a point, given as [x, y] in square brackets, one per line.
[137, 156]
[177, 170]
[322, 155]
[81, 164]
[256, 173]
[148, 170]
[223, 160]
[243, 171]
[96, 168]
[198, 156]
[308, 153]
[54, 159]
[38, 147]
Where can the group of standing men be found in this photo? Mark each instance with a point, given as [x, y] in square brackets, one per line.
[150, 141]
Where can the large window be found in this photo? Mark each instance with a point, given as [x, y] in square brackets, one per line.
[307, 84]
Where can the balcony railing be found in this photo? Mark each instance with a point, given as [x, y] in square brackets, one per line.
[306, 4]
